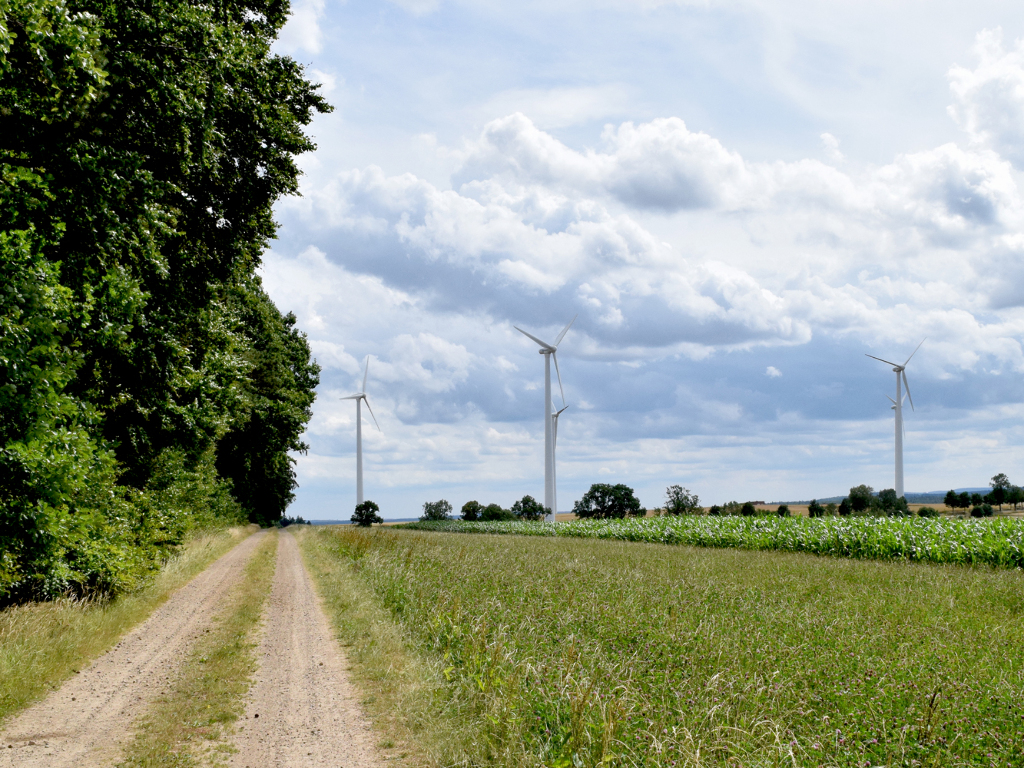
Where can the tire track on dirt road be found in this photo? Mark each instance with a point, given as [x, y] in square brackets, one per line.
[85, 722]
[302, 710]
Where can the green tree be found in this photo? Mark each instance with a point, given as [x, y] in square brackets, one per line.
[608, 501]
[889, 504]
[845, 508]
[814, 509]
[952, 500]
[748, 509]
[528, 508]
[977, 499]
[783, 510]
[965, 500]
[1015, 496]
[436, 510]
[471, 510]
[860, 497]
[367, 514]
[496, 513]
[679, 501]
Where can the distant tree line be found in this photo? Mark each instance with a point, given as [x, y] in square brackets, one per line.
[148, 385]
[1003, 492]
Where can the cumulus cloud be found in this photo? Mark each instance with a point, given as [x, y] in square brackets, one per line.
[772, 372]
[302, 32]
[989, 99]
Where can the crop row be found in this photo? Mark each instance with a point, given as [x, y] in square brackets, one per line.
[998, 543]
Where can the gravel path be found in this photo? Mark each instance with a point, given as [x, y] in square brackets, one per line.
[302, 711]
[85, 722]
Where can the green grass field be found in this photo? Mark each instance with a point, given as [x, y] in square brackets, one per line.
[582, 652]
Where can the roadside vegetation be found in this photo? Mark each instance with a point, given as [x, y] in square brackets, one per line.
[42, 644]
[187, 726]
[149, 388]
[569, 652]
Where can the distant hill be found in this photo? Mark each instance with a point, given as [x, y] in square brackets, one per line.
[928, 497]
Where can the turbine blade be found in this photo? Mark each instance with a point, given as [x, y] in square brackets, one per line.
[366, 373]
[365, 400]
[915, 350]
[352, 397]
[559, 374]
[891, 400]
[906, 386]
[564, 330]
[881, 360]
[543, 344]
[559, 413]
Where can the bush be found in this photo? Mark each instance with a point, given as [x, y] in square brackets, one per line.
[528, 508]
[608, 501]
[981, 510]
[783, 510]
[844, 509]
[436, 510]
[285, 521]
[714, 510]
[927, 512]
[471, 510]
[494, 512]
[814, 509]
[679, 501]
[366, 514]
[748, 509]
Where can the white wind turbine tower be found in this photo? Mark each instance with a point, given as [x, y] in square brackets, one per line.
[897, 405]
[554, 464]
[549, 351]
[360, 397]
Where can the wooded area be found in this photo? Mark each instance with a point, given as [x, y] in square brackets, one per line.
[148, 385]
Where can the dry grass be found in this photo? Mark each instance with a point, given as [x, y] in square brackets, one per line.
[187, 726]
[42, 644]
[401, 688]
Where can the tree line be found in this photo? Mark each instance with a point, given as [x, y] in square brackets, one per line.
[148, 385]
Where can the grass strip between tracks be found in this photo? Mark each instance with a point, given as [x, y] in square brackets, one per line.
[401, 688]
[42, 644]
[187, 726]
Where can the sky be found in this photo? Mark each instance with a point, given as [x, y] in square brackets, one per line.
[736, 200]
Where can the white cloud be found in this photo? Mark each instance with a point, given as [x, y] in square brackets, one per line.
[772, 372]
[558, 107]
[990, 98]
[302, 32]
[831, 145]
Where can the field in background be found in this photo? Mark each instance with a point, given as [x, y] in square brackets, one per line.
[986, 541]
[563, 652]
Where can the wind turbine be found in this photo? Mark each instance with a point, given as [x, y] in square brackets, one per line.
[549, 351]
[897, 405]
[360, 397]
[554, 446]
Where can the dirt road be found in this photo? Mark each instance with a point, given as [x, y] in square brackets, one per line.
[85, 723]
[308, 713]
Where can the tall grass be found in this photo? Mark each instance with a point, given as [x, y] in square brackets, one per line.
[42, 644]
[576, 652]
[998, 542]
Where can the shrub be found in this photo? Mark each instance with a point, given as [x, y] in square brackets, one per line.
[981, 510]
[783, 510]
[748, 509]
[605, 501]
[436, 510]
[814, 509]
[927, 512]
[471, 510]
[679, 501]
[366, 514]
[844, 509]
[714, 510]
[528, 508]
[494, 512]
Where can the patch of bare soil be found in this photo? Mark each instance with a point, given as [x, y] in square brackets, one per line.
[302, 711]
[85, 722]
